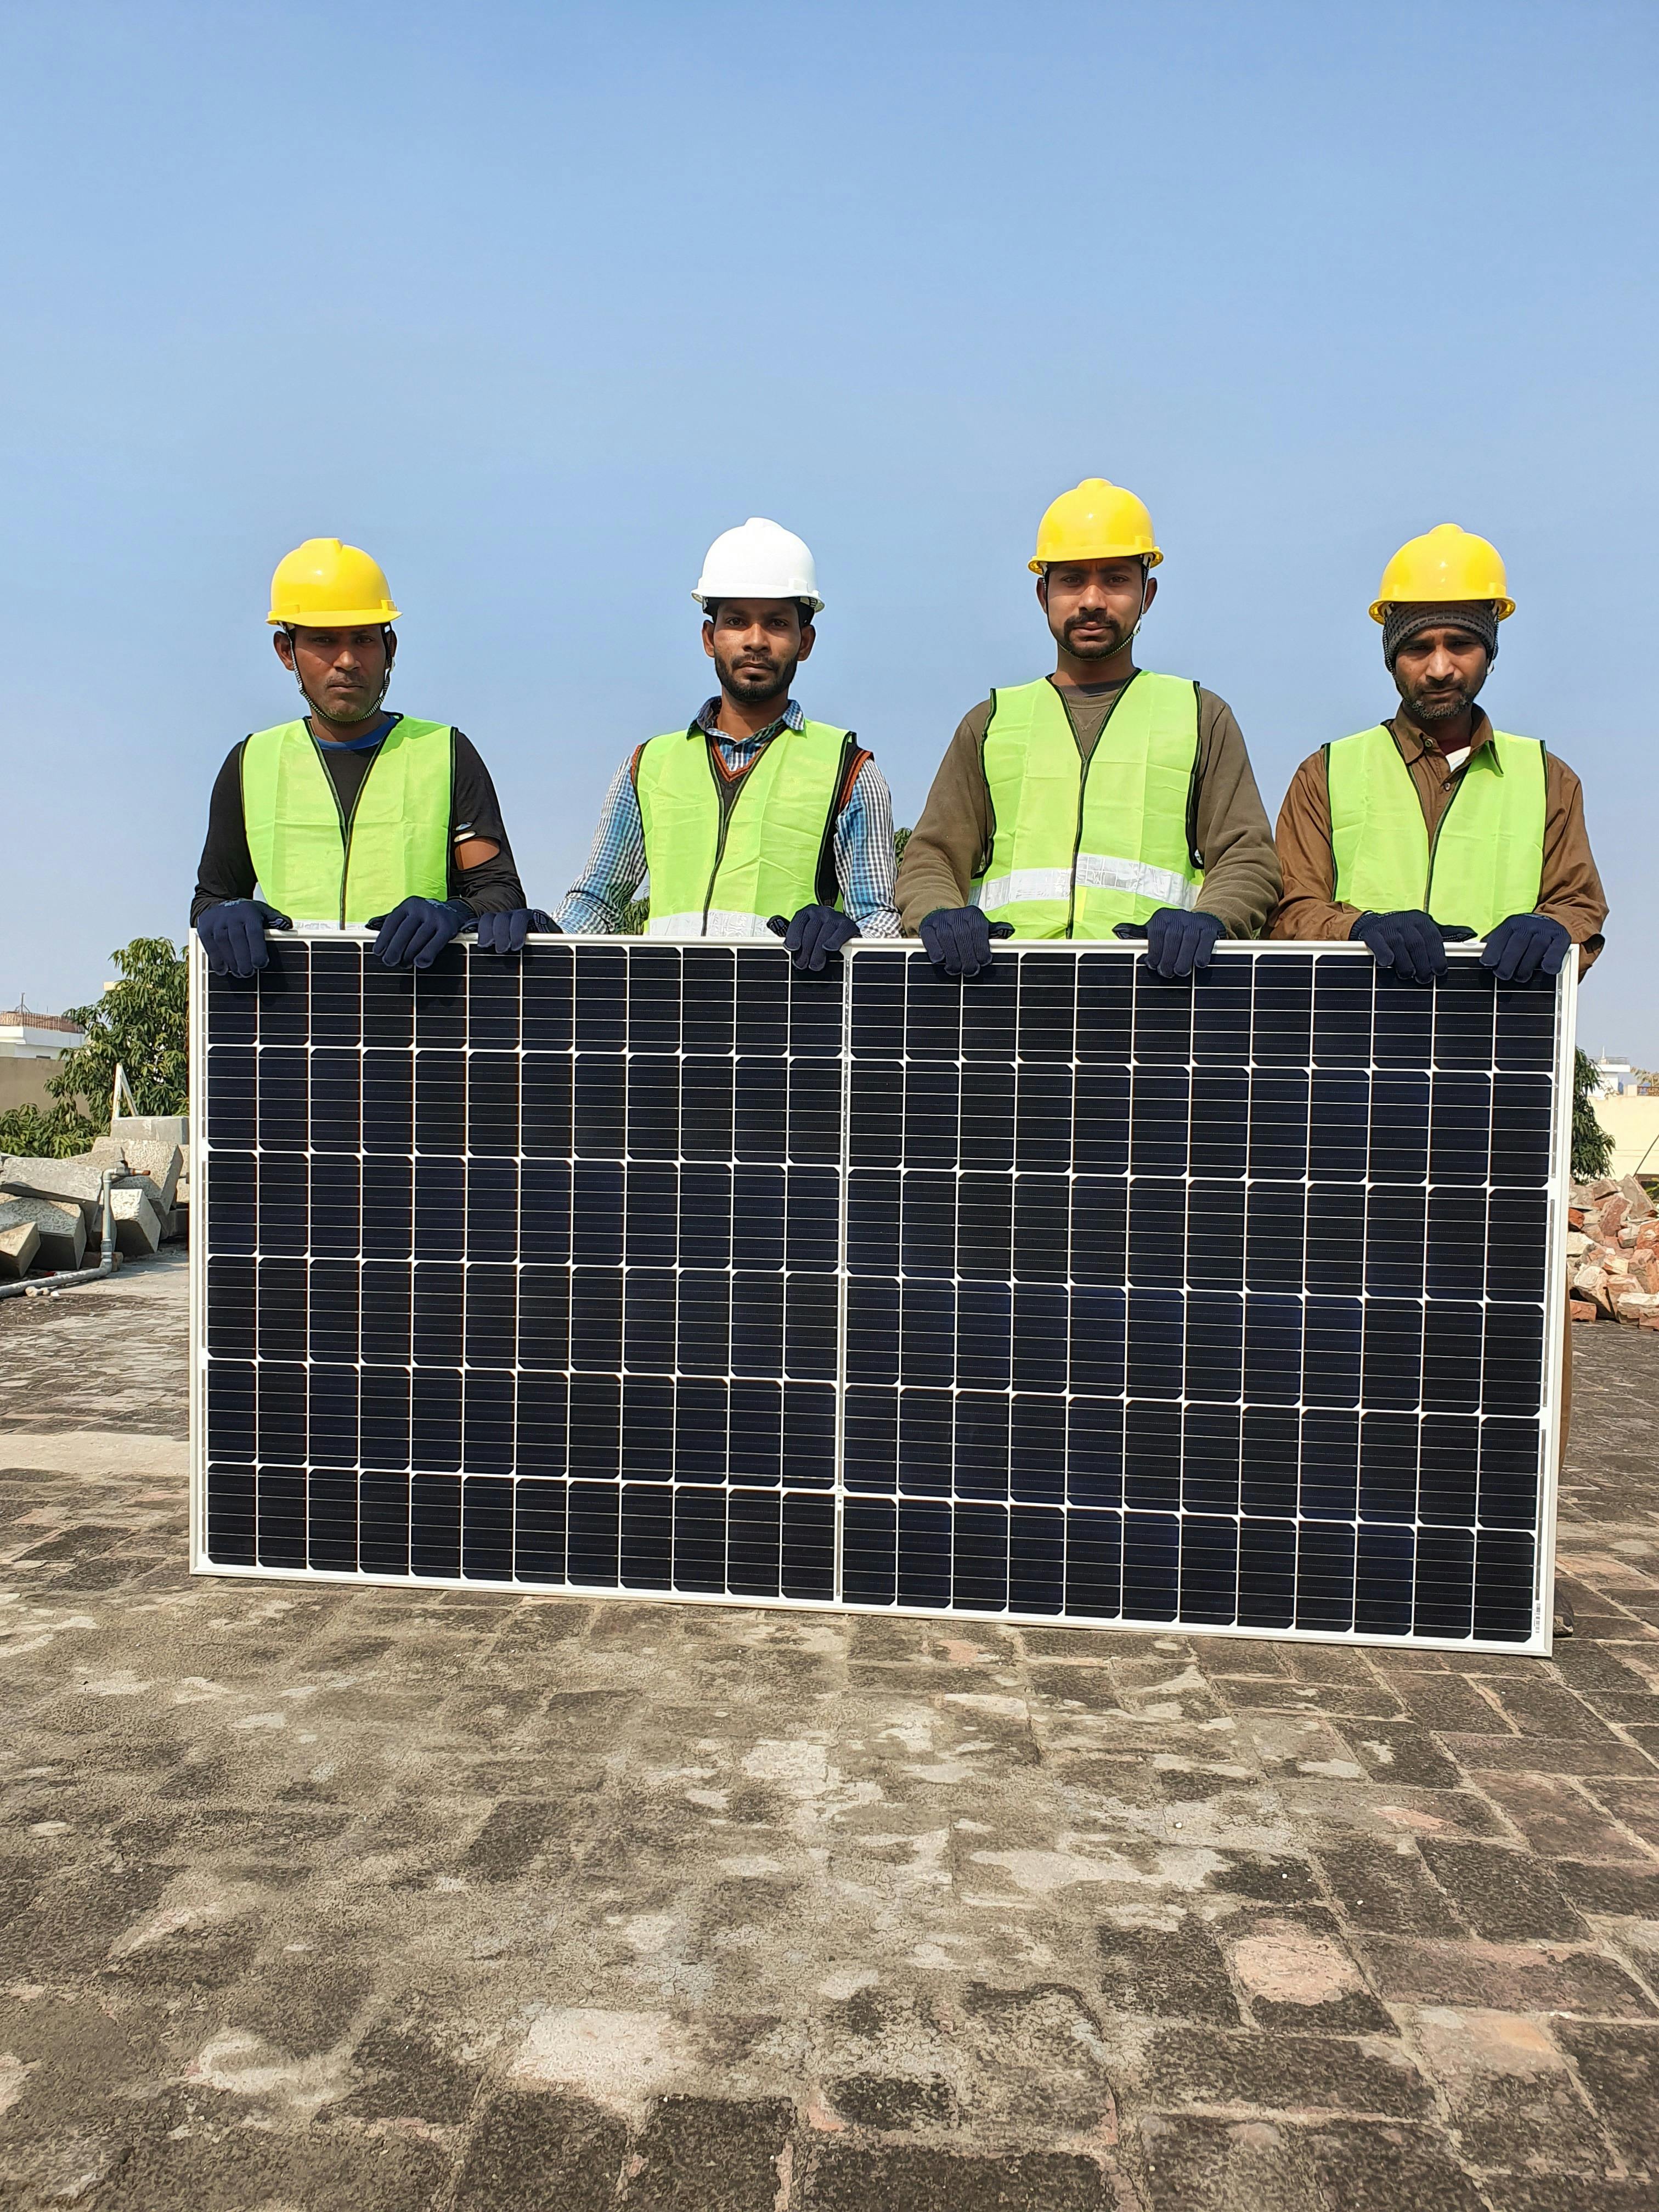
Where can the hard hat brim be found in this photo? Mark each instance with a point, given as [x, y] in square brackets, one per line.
[1380, 607]
[707, 599]
[349, 618]
[1149, 553]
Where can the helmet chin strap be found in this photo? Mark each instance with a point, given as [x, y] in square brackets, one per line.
[1141, 615]
[385, 681]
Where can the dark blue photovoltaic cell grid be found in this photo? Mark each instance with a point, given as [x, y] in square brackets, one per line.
[1222, 1306]
[525, 1269]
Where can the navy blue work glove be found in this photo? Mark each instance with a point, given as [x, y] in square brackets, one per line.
[415, 932]
[957, 939]
[233, 935]
[1177, 941]
[505, 932]
[1526, 945]
[813, 935]
[1411, 943]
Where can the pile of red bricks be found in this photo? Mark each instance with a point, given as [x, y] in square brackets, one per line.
[1612, 1253]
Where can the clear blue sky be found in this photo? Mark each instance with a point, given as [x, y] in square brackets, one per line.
[532, 300]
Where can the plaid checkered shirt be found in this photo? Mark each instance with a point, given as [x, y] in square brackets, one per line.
[865, 868]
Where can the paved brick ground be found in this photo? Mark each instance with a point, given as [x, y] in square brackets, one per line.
[313, 1898]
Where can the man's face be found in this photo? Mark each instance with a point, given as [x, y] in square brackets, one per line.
[755, 645]
[1093, 606]
[1438, 673]
[342, 670]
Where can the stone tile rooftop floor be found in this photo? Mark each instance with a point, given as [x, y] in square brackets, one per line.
[314, 1896]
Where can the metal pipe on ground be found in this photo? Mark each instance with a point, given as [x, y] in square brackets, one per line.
[108, 1260]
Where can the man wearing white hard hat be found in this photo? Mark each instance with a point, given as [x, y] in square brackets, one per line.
[751, 811]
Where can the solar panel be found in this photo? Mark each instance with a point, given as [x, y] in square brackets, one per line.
[1066, 1296]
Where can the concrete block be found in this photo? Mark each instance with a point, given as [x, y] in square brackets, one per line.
[77, 1179]
[162, 1163]
[18, 1246]
[144, 1183]
[152, 1129]
[61, 1224]
[137, 1223]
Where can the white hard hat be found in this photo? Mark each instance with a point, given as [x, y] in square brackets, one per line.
[762, 561]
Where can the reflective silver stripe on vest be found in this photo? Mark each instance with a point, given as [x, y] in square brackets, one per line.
[719, 923]
[1095, 872]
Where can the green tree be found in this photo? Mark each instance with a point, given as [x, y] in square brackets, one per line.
[142, 1023]
[1592, 1147]
[45, 1132]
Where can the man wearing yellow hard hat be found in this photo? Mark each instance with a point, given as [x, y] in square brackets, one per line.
[1433, 824]
[352, 814]
[1099, 800]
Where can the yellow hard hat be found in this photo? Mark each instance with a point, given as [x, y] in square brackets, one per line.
[323, 585]
[1445, 563]
[1098, 522]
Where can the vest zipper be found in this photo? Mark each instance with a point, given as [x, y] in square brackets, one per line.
[346, 820]
[1434, 842]
[1082, 788]
[725, 814]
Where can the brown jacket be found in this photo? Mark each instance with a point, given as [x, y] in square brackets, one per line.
[1572, 890]
[951, 845]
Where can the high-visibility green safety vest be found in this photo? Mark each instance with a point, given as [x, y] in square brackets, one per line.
[1486, 859]
[1078, 846]
[722, 869]
[315, 862]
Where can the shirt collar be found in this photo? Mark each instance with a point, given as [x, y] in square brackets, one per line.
[1419, 741]
[708, 720]
[364, 744]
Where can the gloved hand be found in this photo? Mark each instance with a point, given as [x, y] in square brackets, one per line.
[1526, 945]
[1413, 943]
[233, 935]
[415, 932]
[813, 935]
[957, 939]
[505, 932]
[1178, 940]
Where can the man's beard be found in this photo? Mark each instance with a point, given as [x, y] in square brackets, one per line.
[1442, 706]
[751, 683]
[1101, 648]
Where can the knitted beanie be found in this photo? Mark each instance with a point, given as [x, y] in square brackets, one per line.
[1404, 618]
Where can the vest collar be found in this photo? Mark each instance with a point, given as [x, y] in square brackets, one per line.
[707, 721]
[365, 743]
[1415, 744]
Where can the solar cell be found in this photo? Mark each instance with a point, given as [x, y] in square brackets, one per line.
[638, 1267]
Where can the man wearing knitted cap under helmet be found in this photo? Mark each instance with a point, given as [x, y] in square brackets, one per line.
[1434, 825]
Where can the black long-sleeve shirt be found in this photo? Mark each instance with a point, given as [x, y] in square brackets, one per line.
[227, 866]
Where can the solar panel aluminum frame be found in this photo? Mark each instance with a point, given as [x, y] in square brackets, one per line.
[1537, 1641]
